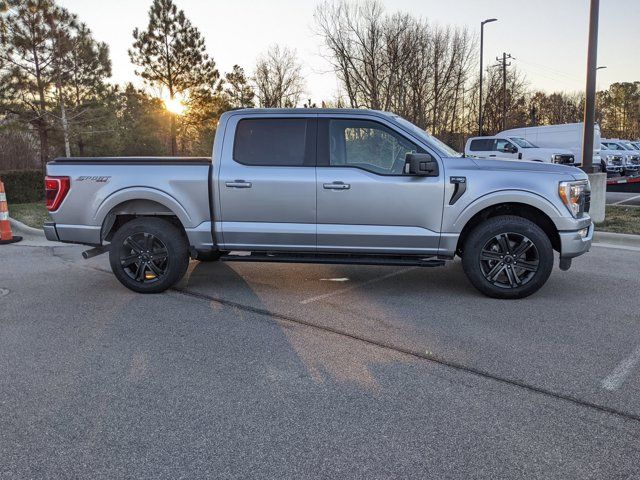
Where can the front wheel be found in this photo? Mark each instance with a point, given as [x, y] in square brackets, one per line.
[508, 257]
[149, 255]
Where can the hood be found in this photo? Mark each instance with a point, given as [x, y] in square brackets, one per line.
[527, 166]
[550, 151]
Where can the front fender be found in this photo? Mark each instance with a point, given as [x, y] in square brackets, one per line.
[506, 196]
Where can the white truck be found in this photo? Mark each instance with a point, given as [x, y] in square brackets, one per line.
[515, 147]
[630, 155]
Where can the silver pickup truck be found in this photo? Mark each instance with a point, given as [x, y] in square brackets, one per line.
[323, 186]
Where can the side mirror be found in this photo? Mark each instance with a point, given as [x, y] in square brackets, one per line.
[510, 149]
[422, 165]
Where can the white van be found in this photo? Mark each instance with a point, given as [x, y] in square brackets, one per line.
[568, 135]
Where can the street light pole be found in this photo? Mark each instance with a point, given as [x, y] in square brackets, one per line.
[590, 97]
[488, 20]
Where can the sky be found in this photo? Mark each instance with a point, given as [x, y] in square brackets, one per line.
[547, 38]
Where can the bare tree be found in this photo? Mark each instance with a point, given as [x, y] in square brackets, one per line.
[517, 93]
[397, 62]
[278, 78]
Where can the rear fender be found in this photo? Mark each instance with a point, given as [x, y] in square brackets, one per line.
[167, 205]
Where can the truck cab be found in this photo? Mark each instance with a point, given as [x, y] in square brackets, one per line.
[515, 148]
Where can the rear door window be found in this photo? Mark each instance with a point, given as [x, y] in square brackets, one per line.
[277, 142]
[482, 145]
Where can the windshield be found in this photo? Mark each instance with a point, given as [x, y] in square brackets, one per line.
[613, 146]
[444, 149]
[522, 142]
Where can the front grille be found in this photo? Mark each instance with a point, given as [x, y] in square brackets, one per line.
[587, 201]
[617, 161]
[564, 159]
[635, 160]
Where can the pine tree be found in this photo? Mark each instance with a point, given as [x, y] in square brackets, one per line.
[171, 53]
[239, 92]
[28, 51]
[87, 66]
[49, 66]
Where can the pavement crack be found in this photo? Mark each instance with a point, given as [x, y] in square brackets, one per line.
[417, 354]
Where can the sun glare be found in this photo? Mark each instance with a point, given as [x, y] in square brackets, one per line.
[175, 106]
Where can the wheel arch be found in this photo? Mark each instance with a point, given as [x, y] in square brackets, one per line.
[124, 206]
[524, 210]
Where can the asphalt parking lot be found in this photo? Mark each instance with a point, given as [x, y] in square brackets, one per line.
[315, 371]
[623, 199]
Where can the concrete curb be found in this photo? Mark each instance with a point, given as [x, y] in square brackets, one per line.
[623, 239]
[21, 228]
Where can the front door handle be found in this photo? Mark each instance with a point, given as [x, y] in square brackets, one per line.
[492, 155]
[238, 184]
[336, 186]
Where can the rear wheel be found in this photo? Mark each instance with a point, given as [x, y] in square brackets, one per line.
[149, 255]
[508, 257]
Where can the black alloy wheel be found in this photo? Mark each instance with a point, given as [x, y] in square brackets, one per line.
[507, 257]
[509, 260]
[149, 254]
[144, 257]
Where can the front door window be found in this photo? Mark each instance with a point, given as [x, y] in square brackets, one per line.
[368, 145]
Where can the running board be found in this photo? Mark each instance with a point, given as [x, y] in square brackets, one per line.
[336, 259]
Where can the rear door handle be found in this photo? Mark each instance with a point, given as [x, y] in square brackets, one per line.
[238, 184]
[336, 186]
[492, 155]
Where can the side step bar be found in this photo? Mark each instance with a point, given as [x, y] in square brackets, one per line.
[336, 259]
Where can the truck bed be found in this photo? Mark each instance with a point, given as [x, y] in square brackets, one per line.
[103, 186]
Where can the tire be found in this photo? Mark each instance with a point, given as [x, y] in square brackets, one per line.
[519, 271]
[149, 255]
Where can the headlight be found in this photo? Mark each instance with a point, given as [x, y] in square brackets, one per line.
[573, 196]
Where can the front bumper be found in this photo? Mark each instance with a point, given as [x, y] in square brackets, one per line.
[614, 168]
[573, 244]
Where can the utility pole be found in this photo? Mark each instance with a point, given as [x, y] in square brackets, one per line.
[590, 100]
[504, 64]
[488, 20]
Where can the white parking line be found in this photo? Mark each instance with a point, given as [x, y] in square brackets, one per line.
[356, 285]
[625, 200]
[618, 376]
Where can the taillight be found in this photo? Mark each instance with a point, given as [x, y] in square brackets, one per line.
[56, 188]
